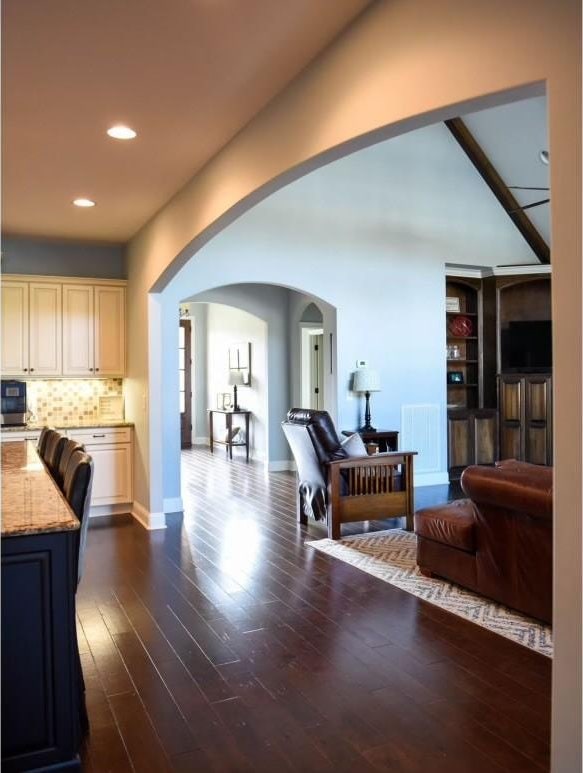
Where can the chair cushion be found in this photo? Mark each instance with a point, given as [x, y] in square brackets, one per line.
[452, 524]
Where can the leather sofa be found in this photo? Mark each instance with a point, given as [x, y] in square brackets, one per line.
[497, 542]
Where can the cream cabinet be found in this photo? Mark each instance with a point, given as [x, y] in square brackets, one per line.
[31, 329]
[78, 331]
[112, 453]
[109, 341]
[62, 327]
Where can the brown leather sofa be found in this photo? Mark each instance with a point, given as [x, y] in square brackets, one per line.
[499, 541]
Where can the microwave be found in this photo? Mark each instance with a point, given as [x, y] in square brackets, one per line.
[13, 403]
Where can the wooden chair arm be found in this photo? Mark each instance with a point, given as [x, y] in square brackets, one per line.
[377, 460]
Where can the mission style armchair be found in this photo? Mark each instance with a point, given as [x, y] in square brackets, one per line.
[339, 482]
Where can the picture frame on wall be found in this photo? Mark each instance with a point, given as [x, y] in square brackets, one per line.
[240, 359]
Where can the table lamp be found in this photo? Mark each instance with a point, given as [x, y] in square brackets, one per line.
[236, 378]
[366, 380]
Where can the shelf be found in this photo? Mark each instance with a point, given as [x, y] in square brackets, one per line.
[463, 386]
[461, 313]
[462, 338]
[461, 361]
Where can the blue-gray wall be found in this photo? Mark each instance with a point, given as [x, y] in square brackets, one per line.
[22, 255]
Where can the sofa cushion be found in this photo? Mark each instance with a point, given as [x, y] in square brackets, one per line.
[354, 446]
[452, 524]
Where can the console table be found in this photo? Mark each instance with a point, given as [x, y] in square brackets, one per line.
[228, 414]
[387, 439]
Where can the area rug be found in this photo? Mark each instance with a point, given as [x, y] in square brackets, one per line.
[390, 556]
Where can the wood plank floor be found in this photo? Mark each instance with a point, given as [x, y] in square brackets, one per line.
[224, 644]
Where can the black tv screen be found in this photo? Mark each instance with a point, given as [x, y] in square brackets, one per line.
[527, 347]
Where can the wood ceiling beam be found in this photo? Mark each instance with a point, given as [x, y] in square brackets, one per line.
[498, 187]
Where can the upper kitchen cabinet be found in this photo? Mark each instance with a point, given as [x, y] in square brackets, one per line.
[63, 327]
[109, 303]
[78, 331]
[14, 328]
[31, 329]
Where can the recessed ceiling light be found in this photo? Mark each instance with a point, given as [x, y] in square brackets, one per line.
[122, 133]
[544, 157]
[83, 202]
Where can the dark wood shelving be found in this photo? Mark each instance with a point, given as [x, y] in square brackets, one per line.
[463, 386]
[462, 361]
[462, 338]
[462, 313]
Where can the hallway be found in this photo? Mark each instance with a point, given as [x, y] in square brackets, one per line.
[224, 644]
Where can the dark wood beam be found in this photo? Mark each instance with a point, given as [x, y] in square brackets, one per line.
[499, 188]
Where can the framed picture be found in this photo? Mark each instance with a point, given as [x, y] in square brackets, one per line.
[452, 304]
[240, 359]
[224, 401]
[455, 377]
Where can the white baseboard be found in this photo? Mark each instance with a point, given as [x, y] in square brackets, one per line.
[173, 505]
[98, 510]
[147, 519]
[430, 478]
[283, 465]
[200, 441]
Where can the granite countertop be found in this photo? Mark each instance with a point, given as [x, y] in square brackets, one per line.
[85, 425]
[31, 501]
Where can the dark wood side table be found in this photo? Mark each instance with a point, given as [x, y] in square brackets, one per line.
[228, 414]
[387, 439]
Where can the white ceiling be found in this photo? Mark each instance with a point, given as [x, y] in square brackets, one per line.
[417, 193]
[186, 74]
[512, 137]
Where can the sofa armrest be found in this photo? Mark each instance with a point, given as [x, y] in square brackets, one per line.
[516, 487]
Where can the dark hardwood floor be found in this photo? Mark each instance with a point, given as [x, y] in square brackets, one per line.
[224, 644]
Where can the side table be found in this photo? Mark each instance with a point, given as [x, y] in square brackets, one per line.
[228, 414]
[387, 439]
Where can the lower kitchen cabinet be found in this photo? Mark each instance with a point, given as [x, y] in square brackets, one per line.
[112, 454]
[472, 436]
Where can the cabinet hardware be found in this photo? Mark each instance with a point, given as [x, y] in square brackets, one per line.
[98, 435]
[91, 369]
[96, 369]
[25, 369]
[31, 370]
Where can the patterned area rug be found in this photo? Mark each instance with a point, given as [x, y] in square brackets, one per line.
[390, 556]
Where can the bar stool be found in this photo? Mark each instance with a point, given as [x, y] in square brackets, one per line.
[69, 448]
[77, 485]
[53, 451]
[42, 441]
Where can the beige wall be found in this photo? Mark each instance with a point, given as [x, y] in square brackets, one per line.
[403, 64]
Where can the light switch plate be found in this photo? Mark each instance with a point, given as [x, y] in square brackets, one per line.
[362, 363]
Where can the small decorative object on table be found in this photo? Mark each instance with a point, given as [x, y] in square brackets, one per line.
[224, 401]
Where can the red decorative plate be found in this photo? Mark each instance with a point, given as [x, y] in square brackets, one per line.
[461, 326]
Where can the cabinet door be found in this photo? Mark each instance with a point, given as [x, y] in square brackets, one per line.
[459, 433]
[538, 440]
[14, 328]
[112, 474]
[78, 331]
[109, 331]
[485, 427]
[511, 417]
[45, 332]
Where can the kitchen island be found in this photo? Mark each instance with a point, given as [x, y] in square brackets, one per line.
[41, 677]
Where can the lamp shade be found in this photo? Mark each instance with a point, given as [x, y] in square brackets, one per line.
[236, 378]
[366, 380]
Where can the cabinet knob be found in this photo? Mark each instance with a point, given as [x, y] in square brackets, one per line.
[25, 369]
[31, 370]
[96, 369]
[91, 369]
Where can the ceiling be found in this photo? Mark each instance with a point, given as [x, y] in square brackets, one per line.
[186, 74]
[512, 137]
[415, 194]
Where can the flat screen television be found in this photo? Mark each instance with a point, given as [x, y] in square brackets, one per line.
[526, 347]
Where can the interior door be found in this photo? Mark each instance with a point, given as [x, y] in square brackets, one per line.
[184, 374]
[317, 372]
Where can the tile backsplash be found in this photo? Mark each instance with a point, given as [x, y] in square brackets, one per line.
[68, 401]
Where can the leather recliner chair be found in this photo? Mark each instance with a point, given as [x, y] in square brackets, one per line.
[497, 542]
[341, 485]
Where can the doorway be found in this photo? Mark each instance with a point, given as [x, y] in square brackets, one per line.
[312, 358]
[185, 381]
